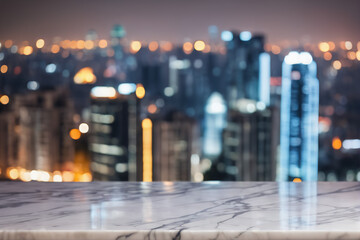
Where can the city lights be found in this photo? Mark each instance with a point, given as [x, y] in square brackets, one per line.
[13, 173]
[75, 134]
[327, 56]
[85, 76]
[336, 143]
[33, 85]
[126, 88]
[4, 99]
[50, 68]
[297, 180]
[135, 46]
[337, 65]
[80, 44]
[245, 36]
[169, 91]
[57, 176]
[187, 47]
[226, 36]
[147, 150]
[296, 58]
[8, 43]
[351, 55]
[40, 43]
[140, 91]
[166, 46]
[331, 46]
[103, 43]
[89, 44]
[199, 45]
[79, 109]
[152, 108]
[103, 92]
[153, 46]
[275, 49]
[55, 48]
[85, 177]
[83, 128]
[25, 176]
[4, 69]
[348, 45]
[351, 144]
[324, 46]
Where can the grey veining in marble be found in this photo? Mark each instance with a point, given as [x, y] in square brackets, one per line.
[210, 210]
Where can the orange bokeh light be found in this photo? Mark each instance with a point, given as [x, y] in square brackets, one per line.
[75, 134]
[336, 143]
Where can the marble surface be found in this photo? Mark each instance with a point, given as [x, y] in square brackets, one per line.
[165, 210]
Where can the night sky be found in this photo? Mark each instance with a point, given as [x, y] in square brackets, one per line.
[177, 20]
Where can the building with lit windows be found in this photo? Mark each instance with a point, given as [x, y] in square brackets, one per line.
[44, 119]
[174, 143]
[8, 153]
[249, 152]
[115, 134]
[299, 118]
[247, 67]
[215, 121]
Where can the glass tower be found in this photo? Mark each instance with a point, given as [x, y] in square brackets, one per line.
[299, 118]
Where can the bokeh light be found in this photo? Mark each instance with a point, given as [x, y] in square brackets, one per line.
[135, 46]
[324, 46]
[85, 76]
[348, 45]
[55, 48]
[153, 46]
[103, 43]
[140, 91]
[327, 56]
[336, 143]
[275, 49]
[28, 50]
[152, 108]
[199, 45]
[187, 47]
[84, 128]
[40, 43]
[337, 65]
[75, 134]
[4, 99]
[4, 69]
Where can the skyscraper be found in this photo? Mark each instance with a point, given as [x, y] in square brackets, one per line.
[248, 151]
[44, 119]
[248, 67]
[299, 118]
[115, 133]
[175, 141]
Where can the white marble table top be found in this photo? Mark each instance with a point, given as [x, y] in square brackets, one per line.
[165, 210]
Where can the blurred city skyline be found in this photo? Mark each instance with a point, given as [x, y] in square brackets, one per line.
[280, 20]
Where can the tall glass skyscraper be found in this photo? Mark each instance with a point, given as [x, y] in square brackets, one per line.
[247, 68]
[299, 118]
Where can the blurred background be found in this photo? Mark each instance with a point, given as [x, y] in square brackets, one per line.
[179, 90]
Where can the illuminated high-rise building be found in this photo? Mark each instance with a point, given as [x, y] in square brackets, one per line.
[8, 141]
[247, 68]
[299, 118]
[115, 136]
[174, 143]
[249, 154]
[43, 121]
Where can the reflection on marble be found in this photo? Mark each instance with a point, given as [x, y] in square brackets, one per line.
[210, 210]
